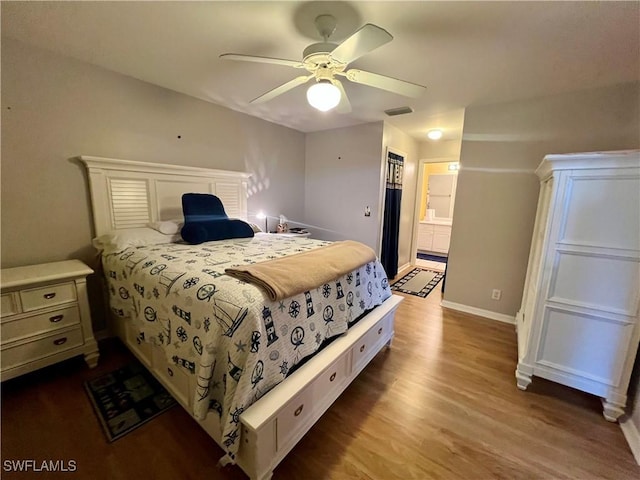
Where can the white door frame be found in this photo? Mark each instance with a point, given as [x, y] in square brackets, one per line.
[416, 208]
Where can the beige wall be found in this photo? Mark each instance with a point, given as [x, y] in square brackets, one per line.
[344, 174]
[439, 148]
[497, 190]
[342, 177]
[55, 108]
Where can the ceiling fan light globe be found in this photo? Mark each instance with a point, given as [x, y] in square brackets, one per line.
[323, 96]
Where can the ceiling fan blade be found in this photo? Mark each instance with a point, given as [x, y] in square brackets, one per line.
[368, 38]
[344, 106]
[253, 58]
[389, 84]
[285, 87]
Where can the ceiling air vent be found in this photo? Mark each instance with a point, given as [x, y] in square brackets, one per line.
[398, 111]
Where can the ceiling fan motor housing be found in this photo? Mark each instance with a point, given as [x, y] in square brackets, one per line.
[317, 48]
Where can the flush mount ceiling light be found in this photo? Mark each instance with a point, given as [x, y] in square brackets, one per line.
[435, 134]
[323, 95]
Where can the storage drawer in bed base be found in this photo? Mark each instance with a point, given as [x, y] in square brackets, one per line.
[270, 418]
[272, 426]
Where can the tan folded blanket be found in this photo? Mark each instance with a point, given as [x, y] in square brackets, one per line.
[293, 274]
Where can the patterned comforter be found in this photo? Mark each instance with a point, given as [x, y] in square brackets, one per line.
[236, 341]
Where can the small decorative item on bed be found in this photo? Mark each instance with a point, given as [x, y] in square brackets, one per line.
[226, 348]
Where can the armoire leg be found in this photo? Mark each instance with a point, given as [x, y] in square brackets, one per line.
[523, 380]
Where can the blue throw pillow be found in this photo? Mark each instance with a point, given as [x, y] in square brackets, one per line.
[208, 230]
[198, 207]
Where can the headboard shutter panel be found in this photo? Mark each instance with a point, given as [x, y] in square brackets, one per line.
[129, 203]
[230, 195]
[130, 194]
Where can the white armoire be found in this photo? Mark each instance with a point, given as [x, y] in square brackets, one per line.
[578, 324]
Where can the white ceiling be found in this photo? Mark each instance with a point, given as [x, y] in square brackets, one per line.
[466, 53]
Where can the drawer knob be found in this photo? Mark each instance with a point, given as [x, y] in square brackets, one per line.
[49, 296]
[362, 349]
[298, 410]
[56, 319]
[170, 372]
[332, 377]
[60, 341]
[379, 330]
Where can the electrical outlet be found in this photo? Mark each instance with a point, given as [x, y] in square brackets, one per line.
[367, 211]
[496, 294]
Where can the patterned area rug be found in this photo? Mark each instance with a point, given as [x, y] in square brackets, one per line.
[127, 398]
[418, 282]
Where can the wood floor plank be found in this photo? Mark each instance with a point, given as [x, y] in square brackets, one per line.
[441, 403]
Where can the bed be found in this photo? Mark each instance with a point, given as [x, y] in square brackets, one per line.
[255, 373]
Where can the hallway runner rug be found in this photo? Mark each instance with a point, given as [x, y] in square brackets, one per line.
[127, 398]
[418, 282]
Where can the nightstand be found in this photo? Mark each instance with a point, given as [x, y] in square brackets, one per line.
[45, 317]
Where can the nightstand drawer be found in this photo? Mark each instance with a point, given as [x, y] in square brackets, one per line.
[9, 304]
[18, 355]
[43, 297]
[41, 323]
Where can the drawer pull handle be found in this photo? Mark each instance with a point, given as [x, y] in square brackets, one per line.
[49, 296]
[170, 372]
[56, 319]
[362, 349]
[298, 410]
[332, 377]
[60, 341]
[379, 330]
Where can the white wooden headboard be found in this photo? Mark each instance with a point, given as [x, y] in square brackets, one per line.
[129, 194]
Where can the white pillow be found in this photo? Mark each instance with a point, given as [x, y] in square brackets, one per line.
[168, 227]
[118, 240]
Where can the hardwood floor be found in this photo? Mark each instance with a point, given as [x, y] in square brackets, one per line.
[441, 403]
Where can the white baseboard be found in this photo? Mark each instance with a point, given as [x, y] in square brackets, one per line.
[406, 265]
[631, 433]
[500, 317]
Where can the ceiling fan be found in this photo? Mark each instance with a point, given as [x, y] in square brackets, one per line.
[325, 60]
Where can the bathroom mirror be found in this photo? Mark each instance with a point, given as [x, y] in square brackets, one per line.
[439, 188]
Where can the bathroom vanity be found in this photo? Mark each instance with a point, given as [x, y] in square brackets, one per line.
[434, 235]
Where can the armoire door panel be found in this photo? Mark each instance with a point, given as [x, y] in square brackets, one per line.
[603, 283]
[584, 345]
[594, 207]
